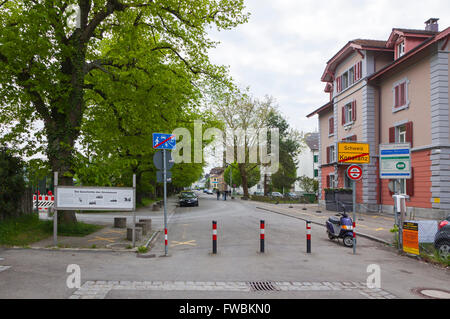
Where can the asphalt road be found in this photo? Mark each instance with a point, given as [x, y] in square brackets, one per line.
[236, 271]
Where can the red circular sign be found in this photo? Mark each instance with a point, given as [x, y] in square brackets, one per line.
[354, 172]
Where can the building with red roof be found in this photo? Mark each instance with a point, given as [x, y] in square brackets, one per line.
[384, 92]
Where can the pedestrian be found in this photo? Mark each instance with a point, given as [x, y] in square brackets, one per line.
[225, 195]
[218, 194]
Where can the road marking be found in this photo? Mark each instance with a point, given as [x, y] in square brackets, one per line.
[111, 240]
[378, 229]
[114, 231]
[3, 268]
[179, 243]
[99, 289]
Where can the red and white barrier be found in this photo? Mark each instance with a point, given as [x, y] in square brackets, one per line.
[44, 202]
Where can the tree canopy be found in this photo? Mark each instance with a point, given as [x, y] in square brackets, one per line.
[88, 92]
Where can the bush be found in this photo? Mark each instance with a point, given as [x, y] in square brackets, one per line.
[12, 185]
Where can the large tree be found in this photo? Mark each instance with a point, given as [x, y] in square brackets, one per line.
[49, 65]
[290, 145]
[244, 117]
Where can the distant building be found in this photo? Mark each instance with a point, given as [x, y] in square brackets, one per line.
[216, 179]
[308, 160]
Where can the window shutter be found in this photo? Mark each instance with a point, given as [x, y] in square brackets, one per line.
[409, 133]
[354, 138]
[354, 111]
[338, 82]
[359, 67]
[343, 115]
[410, 184]
[392, 135]
[328, 154]
[396, 93]
[357, 71]
[402, 94]
[328, 181]
[331, 126]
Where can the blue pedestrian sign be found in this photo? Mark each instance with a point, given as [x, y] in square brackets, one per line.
[162, 141]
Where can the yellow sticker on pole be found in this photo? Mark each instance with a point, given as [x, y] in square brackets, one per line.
[354, 153]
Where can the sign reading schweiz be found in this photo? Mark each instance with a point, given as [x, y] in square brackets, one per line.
[354, 153]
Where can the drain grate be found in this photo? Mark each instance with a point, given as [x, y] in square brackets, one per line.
[263, 286]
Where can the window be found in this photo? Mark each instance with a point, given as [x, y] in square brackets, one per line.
[400, 95]
[347, 181]
[400, 49]
[401, 134]
[349, 113]
[349, 77]
[331, 154]
[330, 181]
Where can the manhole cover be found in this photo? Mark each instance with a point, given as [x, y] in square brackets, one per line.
[432, 293]
[263, 286]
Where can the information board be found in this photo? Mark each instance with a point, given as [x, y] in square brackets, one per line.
[395, 161]
[411, 238]
[94, 198]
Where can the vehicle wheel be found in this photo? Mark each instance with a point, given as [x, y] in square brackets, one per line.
[330, 237]
[348, 241]
[196, 205]
[443, 248]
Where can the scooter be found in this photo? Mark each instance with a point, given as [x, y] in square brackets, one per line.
[341, 227]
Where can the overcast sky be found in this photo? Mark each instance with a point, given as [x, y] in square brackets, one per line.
[283, 49]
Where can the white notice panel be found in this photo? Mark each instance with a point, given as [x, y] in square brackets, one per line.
[94, 198]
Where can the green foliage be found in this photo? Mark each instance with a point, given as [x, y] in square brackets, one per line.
[290, 145]
[309, 185]
[142, 249]
[27, 229]
[131, 68]
[12, 186]
[253, 175]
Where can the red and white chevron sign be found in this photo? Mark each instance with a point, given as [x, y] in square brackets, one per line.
[44, 202]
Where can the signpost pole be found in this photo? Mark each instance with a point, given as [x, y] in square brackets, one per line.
[55, 212]
[354, 214]
[134, 210]
[165, 200]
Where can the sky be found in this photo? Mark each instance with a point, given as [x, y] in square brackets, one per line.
[283, 49]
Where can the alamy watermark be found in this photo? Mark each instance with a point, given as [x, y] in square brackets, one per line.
[255, 145]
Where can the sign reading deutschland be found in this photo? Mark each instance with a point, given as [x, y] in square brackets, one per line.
[353, 153]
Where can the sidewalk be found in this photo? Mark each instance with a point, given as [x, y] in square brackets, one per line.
[109, 237]
[373, 226]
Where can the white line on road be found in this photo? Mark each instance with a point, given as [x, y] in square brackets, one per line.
[3, 268]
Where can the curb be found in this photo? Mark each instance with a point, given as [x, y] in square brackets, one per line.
[320, 224]
[132, 250]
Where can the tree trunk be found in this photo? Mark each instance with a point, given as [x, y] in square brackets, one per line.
[243, 172]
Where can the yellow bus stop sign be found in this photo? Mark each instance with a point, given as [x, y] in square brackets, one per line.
[353, 153]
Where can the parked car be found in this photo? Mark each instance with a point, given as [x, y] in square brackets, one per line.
[291, 195]
[188, 199]
[276, 194]
[258, 193]
[209, 192]
[442, 238]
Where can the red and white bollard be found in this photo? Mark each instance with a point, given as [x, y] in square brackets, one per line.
[354, 238]
[262, 229]
[165, 238]
[308, 237]
[214, 237]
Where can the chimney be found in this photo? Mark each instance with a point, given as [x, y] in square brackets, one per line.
[432, 25]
